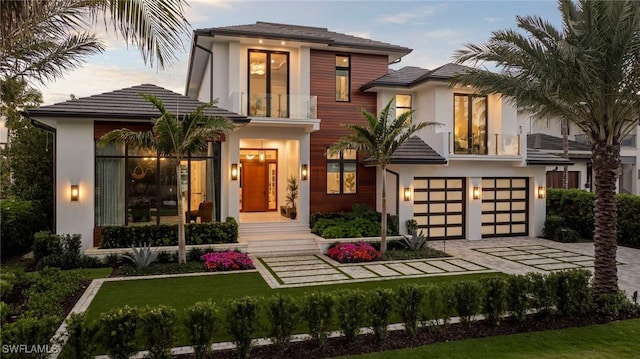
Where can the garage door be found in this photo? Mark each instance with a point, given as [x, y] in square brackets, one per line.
[505, 207]
[439, 206]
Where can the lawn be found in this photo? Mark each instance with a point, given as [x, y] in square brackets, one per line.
[180, 293]
[613, 340]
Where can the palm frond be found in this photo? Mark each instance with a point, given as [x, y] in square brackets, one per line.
[143, 140]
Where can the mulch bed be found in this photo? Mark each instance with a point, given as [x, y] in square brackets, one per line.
[398, 339]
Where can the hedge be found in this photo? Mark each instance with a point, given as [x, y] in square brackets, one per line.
[576, 208]
[19, 220]
[362, 221]
[167, 235]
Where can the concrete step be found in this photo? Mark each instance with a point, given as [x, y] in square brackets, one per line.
[283, 247]
[265, 228]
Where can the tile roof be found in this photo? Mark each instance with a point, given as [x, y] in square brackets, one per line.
[543, 141]
[126, 104]
[414, 151]
[321, 35]
[537, 157]
[410, 76]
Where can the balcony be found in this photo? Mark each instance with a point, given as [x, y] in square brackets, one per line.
[497, 144]
[265, 105]
[629, 141]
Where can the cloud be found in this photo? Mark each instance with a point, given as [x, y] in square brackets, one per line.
[492, 19]
[410, 17]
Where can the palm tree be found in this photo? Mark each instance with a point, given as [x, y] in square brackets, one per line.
[173, 136]
[380, 138]
[41, 40]
[588, 74]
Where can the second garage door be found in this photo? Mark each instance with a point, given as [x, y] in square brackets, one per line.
[505, 206]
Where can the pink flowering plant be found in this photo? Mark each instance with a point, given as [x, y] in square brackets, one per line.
[353, 252]
[226, 261]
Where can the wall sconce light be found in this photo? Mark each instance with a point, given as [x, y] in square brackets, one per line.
[75, 193]
[476, 192]
[234, 171]
[305, 172]
[407, 194]
[541, 192]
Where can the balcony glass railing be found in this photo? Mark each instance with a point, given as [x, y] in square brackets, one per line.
[497, 144]
[275, 105]
[627, 141]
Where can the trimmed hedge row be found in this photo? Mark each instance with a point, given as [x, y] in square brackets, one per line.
[362, 221]
[563, 293]
[572, 209]
[167, 235]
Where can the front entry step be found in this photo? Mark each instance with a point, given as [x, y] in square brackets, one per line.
[275, 247]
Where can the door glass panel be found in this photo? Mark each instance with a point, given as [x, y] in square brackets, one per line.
[272, 185]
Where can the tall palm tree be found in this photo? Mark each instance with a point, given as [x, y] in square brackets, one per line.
[379, 138]
[588, 74]
[41, 40]
[176, 137]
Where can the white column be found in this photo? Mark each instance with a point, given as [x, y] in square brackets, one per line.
[474, 210]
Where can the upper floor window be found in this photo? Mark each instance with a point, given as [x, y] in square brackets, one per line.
[268, 84]
[470, 124]
[343, 78]
[403, 104]
[341, 172]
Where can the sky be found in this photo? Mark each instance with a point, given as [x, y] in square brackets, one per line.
[433, 29]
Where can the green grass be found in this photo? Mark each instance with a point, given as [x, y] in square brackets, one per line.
[613, 340]
[180, 293]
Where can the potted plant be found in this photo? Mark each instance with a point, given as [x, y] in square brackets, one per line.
[292, 196]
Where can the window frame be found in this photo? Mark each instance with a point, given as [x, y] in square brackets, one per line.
[269, 112]
[395, 101]
[470, 97]
[341, 161]
[348, 70]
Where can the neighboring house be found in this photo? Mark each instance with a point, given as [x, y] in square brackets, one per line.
[289, 89]
[550, 140]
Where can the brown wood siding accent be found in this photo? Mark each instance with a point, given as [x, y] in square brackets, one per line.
[333, 114]
[100, 128]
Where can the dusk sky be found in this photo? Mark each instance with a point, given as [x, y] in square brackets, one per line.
[433, 29]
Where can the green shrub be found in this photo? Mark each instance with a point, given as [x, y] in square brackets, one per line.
[573, 294]
[566, 235]
[167, 257]
[468, 300]
[518, 296]
[409, 298]
[616, 306]
[7, 281]
[202, 322]
[448, 305]
[112, 260]
[379, 311]
[82, 335]
[119, 331]
[362, 221]
[283, 314]
[543, 296]
[576, 206]
[5, 311]
[59, 251]
[242, 322]
[552, 224]
[350, 306]
[629, 220]
[158, 330]
[167, 235]
[49, 289]
[194, 254]
[19, 220]
[45, 244]
[433, 304]
[318, 311]
[494, 301]
[90, 262]
[412, 225]
[28, 331]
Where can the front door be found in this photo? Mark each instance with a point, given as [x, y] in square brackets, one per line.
[254, 186]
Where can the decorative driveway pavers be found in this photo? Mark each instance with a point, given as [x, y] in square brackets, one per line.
[283, 272]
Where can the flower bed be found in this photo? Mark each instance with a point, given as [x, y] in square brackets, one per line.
[353, 252]
[226, 261]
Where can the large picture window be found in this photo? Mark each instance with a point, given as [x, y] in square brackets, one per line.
[268, 84]
[470, 124]
[341, 172]
[343, 78]
[138, 187]
[403, 104]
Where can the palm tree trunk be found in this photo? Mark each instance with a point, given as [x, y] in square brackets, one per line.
[383, 225]
[565, 153]
[606, 161]
[182, 248]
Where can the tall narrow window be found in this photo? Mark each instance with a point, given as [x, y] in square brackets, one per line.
[268, 84]
[341, 172]
[470, 124]
[343, 78]
[403, 104]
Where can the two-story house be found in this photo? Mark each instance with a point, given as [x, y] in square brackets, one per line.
[289, 89]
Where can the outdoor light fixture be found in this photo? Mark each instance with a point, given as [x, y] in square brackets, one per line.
[305, 172]
[407, 194]
[476, 192]
[234, 171]
[75, 192]
[541, 192]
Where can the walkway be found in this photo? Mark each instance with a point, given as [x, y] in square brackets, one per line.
[518, 255]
